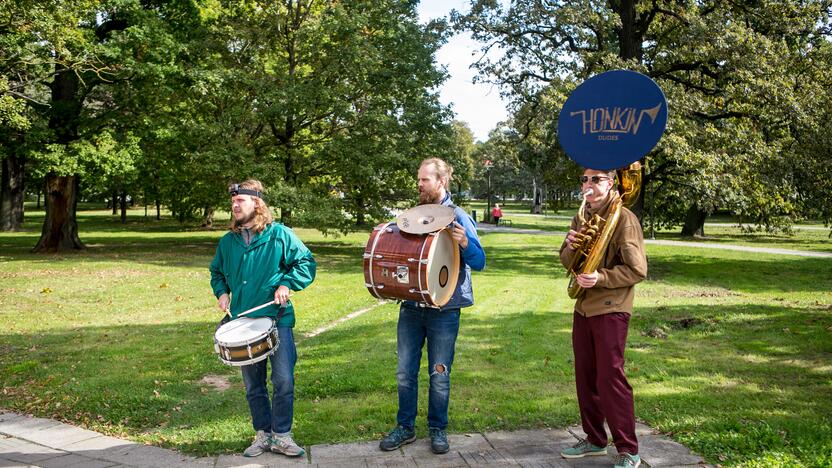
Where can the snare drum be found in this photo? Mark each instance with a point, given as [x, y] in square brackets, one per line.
[416, 267]
[246, 340]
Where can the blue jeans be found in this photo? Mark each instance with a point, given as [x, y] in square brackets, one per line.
[440, 328]
[275, 416]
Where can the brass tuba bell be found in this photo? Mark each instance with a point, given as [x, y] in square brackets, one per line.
[595, 233]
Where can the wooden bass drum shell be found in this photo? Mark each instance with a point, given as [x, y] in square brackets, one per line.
[415, 267]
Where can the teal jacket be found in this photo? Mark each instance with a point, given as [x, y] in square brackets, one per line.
[251, 273]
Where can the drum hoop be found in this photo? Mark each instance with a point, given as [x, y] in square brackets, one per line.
[428, 299]
[453, 276]
[230, 344]
[372, 255]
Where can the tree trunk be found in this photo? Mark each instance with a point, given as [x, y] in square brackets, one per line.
[289, 164]
[694, 222]
[158, 210]
[114, 201]
[631, 33]
[359, 218]
[208, 217]
[122, 202]
[60, 229]
[12, 193]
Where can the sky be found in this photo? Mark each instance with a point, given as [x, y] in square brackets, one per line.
[479, 105]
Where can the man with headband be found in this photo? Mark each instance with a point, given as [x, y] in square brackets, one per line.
[258, 261]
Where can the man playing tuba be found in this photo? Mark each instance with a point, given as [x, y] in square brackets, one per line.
[600, 321]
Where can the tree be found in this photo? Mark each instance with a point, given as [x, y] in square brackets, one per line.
[461, 156]
[335, 85]
[739, 78]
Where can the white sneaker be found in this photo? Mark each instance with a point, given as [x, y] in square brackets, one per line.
[286, 446]
[261, 444]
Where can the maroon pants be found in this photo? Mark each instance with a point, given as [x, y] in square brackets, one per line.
[603, 390]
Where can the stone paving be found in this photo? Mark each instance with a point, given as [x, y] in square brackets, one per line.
[27, 441]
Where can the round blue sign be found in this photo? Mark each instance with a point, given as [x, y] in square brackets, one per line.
[612, 120]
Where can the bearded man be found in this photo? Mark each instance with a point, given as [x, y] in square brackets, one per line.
[419, 322]
[258, 261]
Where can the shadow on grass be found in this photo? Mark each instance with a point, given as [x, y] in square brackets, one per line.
[736, 382]
[718, 366]
[752, 274]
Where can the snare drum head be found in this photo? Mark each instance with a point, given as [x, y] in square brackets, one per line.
[423, 219]
[243, 330]
[443, 267]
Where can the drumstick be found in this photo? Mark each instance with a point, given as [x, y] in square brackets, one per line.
[254, 309]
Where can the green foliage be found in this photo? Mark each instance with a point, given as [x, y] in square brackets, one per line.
[331, 103]
[747, 85]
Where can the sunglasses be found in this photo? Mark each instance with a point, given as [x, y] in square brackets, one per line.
[595, 179]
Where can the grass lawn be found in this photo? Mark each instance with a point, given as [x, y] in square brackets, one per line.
[807, 236]
[729, 353]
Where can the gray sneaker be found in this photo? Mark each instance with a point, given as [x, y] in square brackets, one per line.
[286, 446]
[583, 449]
[260, 444]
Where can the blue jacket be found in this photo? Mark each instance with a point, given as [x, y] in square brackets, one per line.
[471, 257]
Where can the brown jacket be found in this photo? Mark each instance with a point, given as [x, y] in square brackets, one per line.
[624, 264]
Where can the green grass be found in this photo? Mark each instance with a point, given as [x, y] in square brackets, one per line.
[807, 236]
[728, 353]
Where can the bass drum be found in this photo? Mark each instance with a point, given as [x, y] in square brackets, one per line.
[415, 267]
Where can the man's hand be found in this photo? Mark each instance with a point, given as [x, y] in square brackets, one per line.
[459, 235]
[570, 239]
[281, 295]
[223, 302]
[587, 280]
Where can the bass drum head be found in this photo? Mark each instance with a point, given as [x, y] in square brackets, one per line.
[443, 268]
[244, 330]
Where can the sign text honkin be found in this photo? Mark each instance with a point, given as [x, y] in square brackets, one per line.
[610, 122]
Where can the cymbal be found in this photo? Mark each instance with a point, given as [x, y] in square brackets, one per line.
[422, 219]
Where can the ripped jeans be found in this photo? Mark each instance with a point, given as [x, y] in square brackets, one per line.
[440, 328]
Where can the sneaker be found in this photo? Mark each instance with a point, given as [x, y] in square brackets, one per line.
[438, 441]
[625, 460]
[260, 444]
[583, 449]
[397, 437]
[286, 446]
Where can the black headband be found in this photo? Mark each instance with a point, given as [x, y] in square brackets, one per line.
[235, 190]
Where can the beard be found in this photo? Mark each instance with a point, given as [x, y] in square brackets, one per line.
[243, 219]
[427, 197]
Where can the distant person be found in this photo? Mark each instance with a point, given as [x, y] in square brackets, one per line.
[258, 261]
[419, 322]
[496, 213]
[599, 327]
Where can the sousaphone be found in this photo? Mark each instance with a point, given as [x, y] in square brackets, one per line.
[608, 123]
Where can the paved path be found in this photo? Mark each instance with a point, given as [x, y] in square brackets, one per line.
[26, 441]
[704, 245]
[795, 226]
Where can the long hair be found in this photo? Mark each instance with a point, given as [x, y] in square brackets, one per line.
[443, 170]
[262, 213]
